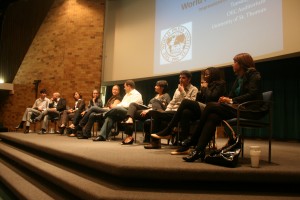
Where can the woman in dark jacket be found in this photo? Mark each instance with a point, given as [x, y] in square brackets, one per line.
[211, 90]
[246, 87]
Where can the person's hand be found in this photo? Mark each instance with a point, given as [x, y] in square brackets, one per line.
[225, 100]
[144, 112]
[180, 88]
[204, 84]
[70, 110]
[82, 113]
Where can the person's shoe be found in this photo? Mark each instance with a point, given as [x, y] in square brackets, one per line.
[21, 125]
[128, 141]
[99, 138]
[146, 139]
[60, 131]
[181, 151]
[155, 144]
[26, 129]
[195, 155]
[42, 131]
[83, 137]
[187, 142]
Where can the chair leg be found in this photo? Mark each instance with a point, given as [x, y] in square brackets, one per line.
[135, 122]
[270, 142]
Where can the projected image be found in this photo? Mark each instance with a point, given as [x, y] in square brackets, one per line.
[176, 44]
[195, 34]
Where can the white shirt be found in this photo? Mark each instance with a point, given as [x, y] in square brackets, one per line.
[131, 97]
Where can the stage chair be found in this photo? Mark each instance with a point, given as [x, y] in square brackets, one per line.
[263, 122]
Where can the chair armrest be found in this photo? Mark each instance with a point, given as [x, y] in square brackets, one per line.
[242, 105]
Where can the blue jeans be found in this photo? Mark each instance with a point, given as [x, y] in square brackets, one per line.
[116, 114]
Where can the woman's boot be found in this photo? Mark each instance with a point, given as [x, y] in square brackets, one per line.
[154, 144]
[195, 155]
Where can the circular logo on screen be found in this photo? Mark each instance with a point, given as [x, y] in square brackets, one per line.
[175, 44]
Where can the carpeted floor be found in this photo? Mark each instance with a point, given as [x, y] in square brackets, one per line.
[133, 162]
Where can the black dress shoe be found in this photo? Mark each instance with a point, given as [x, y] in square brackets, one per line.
[20, 125]
[83, 137]
[26, 129]
[195, 155]
[99, 138]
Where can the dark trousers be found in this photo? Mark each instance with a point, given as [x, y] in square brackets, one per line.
[187, 112]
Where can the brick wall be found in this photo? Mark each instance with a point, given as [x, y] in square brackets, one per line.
[66, 55]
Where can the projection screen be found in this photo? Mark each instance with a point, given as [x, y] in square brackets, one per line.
[154, 38]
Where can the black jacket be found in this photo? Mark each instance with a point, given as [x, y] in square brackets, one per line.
[61, 105]
[250, 89]
[212, 92]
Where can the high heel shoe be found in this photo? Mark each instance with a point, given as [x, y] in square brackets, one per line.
[195, 155]
[124, 142]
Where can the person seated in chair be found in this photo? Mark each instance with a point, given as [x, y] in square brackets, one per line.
[140, 112]
[95, 102]
[94, 112]
[247, 87]
[56, 106]
[212, 88]
[119, 112]
[185, 90]
[39, 106]
[69, 114]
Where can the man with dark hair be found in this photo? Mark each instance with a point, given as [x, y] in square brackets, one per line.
[40, 104]
[185, 90]
[119, 112]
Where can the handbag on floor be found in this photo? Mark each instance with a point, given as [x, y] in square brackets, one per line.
[228, 155]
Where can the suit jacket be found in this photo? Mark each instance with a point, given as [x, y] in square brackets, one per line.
[80, 105]
[61, 105]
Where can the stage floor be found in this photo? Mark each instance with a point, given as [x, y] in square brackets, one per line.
[133, 162]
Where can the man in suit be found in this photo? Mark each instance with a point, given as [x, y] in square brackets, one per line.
[56, 106]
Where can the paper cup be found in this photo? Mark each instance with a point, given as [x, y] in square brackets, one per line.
[255, 155]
